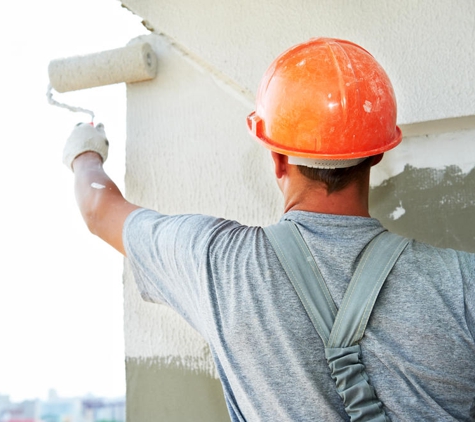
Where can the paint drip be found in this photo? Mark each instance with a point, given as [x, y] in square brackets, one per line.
[95, 185]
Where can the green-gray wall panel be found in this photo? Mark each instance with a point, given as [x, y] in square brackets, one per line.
[439, 206]
[157, 393]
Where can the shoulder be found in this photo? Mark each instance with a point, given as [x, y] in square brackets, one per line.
[439, 273]
[201, 231]
[441, 258]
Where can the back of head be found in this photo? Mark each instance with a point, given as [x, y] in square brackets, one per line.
[335, 180]
[326, 104]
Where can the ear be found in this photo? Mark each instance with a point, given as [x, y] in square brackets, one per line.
[377, 159]
[280, 164]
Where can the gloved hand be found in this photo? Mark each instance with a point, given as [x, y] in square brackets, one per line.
[85, 137]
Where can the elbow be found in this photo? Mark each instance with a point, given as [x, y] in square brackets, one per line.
[92, 213]
[104, 211]
[92, 220]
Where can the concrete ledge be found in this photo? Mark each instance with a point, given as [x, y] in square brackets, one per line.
[155, 393]
[438, 126]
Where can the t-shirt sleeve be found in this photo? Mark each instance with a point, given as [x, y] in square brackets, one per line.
[167, 255]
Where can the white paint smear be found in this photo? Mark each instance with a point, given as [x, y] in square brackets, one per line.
[97, 185]
[398, 212]
[367, 106]
[432, 151]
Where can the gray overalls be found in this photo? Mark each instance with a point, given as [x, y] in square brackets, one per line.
[341, 330]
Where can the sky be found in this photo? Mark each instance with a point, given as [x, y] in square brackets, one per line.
[61, 304]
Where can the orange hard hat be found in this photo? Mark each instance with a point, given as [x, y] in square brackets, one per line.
[326, 102]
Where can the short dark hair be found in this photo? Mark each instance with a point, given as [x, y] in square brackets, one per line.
[336, 179]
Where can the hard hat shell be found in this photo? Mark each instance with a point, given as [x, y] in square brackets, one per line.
[326, 99]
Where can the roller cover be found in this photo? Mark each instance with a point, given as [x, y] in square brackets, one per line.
[133, 63]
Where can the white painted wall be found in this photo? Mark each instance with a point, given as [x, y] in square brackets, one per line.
[426, 47]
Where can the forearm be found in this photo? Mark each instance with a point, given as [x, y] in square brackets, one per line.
[102, 205]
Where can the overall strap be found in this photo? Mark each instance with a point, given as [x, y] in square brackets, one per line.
[345, 327]
[343, 352]
[305, 276]
[375, 265]
[341, 333]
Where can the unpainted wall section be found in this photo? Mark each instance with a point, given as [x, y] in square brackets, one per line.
[424, 189]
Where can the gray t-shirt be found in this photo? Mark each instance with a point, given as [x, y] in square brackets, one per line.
[226, 281]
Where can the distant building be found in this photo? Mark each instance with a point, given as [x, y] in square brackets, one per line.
[60, 409]
[26, 411]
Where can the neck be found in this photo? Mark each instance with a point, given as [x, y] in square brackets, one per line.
[304, 195]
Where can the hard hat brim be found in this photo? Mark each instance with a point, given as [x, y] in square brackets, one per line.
[254, 125]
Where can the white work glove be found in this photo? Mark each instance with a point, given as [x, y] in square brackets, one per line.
[85, 137]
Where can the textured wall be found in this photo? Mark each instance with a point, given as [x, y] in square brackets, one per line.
[422, 45]
[188, 149]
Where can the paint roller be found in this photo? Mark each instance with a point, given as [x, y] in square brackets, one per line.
[135, 62]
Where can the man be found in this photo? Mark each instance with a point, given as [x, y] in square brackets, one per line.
[326, 110]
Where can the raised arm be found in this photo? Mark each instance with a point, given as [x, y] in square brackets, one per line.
[101, 203]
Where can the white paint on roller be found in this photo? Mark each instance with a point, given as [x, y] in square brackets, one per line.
[134, 63]
[95, 185]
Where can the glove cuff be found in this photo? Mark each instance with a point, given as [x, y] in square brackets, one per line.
[84, 138]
